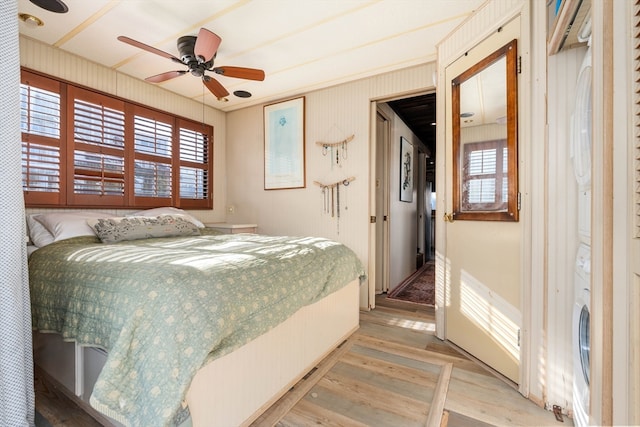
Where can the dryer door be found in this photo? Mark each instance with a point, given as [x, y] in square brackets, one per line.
[581, 129]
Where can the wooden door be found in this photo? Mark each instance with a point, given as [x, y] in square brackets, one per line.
[482, 259]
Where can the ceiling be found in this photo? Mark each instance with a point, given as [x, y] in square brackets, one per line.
[302, 45]
[419, 114]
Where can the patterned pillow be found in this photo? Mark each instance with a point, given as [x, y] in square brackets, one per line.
[168, 211]
[111, 230]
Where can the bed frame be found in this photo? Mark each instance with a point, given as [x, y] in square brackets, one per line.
[236, 388]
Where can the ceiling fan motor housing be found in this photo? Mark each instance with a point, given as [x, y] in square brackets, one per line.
[186, 46]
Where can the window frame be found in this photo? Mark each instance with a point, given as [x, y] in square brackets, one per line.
[511, 213]
[45, 198]
[67, 196]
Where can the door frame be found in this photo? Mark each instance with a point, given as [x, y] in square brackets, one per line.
[375, 240]
[381, 182]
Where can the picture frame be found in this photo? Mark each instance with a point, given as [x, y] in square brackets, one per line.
[406, 170]
[284, 145]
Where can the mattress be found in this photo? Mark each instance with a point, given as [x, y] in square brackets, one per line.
[165, 307]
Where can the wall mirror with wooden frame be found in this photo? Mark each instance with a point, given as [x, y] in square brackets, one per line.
[485, 139]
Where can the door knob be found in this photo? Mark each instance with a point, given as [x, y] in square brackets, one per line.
[448, 217]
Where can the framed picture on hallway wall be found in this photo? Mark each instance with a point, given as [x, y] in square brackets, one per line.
[284, 159]
[406, 170]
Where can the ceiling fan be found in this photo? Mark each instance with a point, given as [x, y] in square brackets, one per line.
[198, 53]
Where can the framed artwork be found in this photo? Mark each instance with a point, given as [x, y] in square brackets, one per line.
[406, 170]
[284, 147]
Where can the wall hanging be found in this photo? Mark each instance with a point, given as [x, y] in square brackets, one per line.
[284, 152]
[337, 151]
[406, 170]
[332, 201]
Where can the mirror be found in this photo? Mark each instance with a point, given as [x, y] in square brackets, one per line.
[485, 132]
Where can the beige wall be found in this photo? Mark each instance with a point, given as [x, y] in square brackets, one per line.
[331, 115]
[403, 216]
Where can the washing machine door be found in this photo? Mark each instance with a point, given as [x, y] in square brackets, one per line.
[581, 336]
[581, 126]
[581, 346]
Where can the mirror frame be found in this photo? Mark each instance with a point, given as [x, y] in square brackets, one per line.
[511, 214]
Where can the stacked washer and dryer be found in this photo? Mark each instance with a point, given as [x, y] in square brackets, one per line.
[581, 154]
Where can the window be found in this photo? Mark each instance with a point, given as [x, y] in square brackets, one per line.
[195, 164]
[153, 150]
[84, 148]
[485, 173]
[98, 149]
[41, 119]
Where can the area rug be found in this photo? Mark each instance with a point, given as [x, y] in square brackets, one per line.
[419, 288]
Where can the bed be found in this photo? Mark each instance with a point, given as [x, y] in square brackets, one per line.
[189, 327]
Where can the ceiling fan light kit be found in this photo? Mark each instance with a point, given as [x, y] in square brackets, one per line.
[198, 53]
[30, 20]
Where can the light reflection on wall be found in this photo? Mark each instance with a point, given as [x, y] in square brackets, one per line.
[442, 277]
[490, 312]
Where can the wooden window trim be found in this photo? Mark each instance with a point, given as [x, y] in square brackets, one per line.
[66, 197]
[513, 208]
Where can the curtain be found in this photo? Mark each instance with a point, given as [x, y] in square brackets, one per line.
[16, 359]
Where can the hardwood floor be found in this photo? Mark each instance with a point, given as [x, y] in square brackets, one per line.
[56, 408]
[392, 372]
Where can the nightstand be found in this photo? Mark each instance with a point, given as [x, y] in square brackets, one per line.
[233, 228]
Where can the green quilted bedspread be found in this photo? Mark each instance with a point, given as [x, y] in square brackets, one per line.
[164, 307]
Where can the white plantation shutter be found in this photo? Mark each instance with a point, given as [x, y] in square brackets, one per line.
[485, 167]
[481, 176]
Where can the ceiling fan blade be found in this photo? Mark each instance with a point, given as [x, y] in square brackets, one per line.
[207, 44]
[240, 72]
[158, 78]
[215, 87]
[148, 48]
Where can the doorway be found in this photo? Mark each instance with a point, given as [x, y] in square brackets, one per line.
[404, 226]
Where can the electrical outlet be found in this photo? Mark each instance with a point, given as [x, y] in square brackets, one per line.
[231, 209]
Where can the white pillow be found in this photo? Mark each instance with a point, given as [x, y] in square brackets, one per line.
[65, 225]
[38, 234]
[168, 211]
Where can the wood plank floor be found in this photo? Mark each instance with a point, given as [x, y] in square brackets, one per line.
[392, 372]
